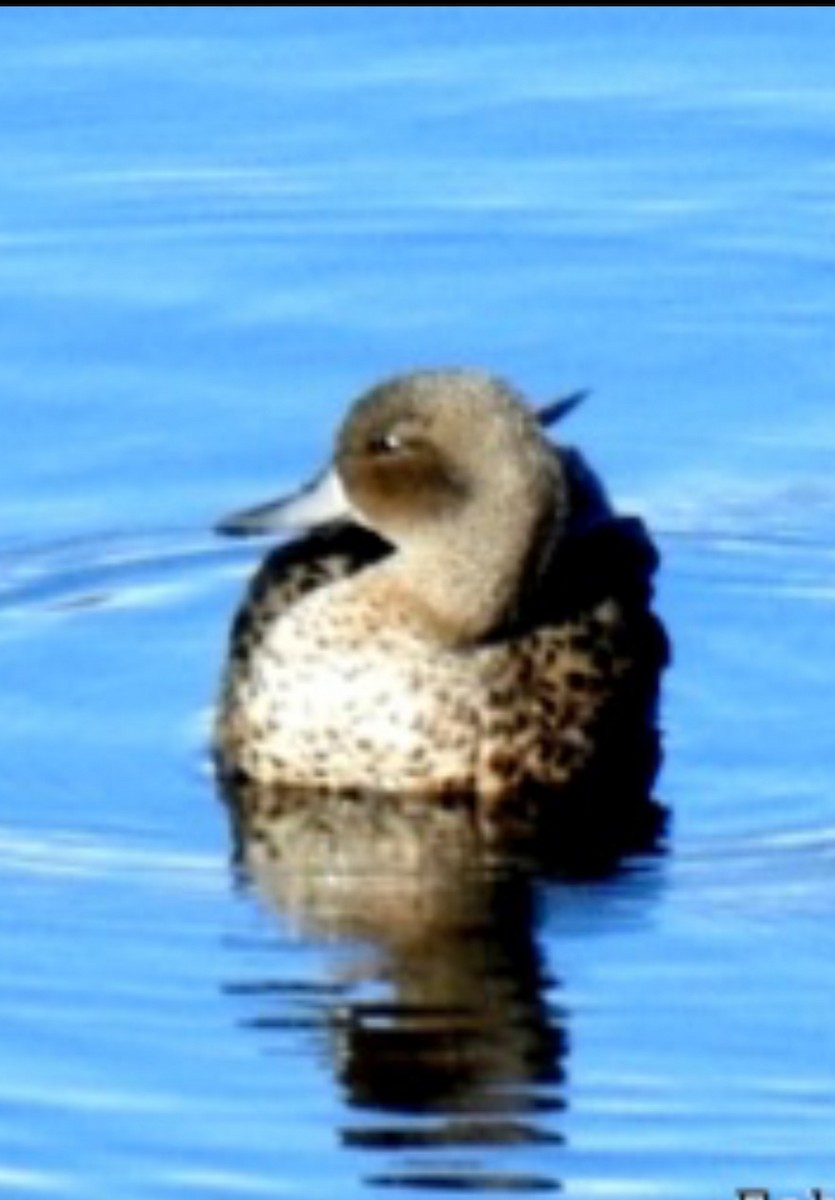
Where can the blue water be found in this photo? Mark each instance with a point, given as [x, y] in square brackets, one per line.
[216, 226]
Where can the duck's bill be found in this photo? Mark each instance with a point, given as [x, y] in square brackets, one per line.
[320, 503]
[550, 414]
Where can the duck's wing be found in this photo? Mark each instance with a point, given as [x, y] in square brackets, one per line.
[613, 559]
[601, 553]
[589, 651]
[300, 566]
[588, 500]
[605, 562]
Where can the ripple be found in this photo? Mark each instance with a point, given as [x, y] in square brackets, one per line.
[31, 1182]
[468, 1183]
[781, 873]
[113, 572]
[59, 855]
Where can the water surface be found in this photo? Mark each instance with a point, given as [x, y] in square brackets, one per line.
[216, 225]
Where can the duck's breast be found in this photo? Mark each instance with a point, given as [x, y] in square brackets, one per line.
[339, 695]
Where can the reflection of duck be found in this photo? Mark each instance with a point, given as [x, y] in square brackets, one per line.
[468, 615]
[445, 1009]
[447, 1031]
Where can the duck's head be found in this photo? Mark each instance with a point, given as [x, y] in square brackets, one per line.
[418, 450]
[450, 467]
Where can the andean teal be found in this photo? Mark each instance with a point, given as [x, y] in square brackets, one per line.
[464, 613]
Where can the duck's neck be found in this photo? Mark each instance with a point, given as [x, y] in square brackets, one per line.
[473, 581]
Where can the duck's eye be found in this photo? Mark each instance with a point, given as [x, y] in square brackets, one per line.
[386, 443]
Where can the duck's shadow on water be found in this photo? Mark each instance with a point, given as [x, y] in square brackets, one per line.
[456, 1038]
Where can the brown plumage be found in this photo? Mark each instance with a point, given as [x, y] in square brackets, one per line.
[467, 615]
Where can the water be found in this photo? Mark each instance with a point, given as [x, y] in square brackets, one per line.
[217, 225]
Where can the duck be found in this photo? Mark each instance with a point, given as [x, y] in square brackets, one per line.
[455, 610]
